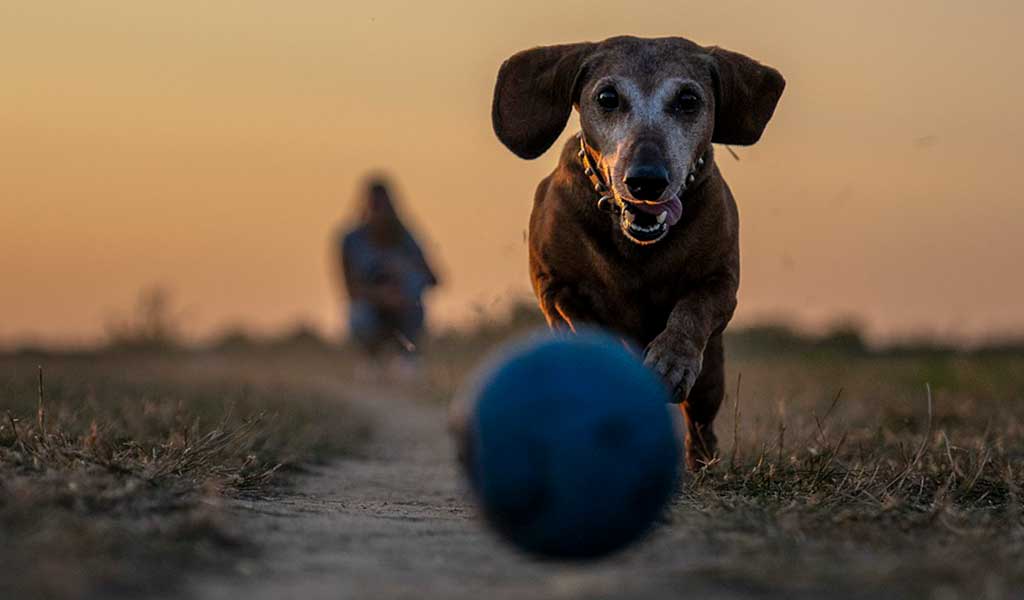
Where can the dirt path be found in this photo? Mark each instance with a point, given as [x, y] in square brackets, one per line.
[397, 523]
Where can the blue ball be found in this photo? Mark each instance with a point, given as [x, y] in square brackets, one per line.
[570, 446]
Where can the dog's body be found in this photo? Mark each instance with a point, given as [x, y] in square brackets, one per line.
[636, 230]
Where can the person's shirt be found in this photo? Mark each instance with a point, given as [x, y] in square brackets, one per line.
[401, 264]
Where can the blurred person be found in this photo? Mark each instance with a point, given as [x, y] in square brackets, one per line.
[385, 275]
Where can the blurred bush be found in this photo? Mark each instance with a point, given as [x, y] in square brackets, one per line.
[153, 325]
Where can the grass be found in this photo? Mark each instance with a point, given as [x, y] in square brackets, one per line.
[114, 468]
[860, 473]
[892, 473]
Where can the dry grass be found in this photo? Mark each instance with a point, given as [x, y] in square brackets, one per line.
[896, 476]
[845, 471]
[850, 472]
[113, 473]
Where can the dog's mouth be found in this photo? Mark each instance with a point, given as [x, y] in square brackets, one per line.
[646, 223]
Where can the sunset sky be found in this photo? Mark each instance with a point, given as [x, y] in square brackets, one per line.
[213, 147]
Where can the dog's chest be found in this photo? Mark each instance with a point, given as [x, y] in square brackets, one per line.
[635, 306]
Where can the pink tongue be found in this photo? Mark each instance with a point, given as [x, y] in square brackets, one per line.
[673, 205]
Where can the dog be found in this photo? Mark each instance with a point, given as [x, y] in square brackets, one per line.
[635, 230]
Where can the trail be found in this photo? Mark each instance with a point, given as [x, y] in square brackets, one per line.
[397, 522]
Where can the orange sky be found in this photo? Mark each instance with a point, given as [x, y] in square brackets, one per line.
[211, 147]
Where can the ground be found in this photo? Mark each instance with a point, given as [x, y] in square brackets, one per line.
[844, 473]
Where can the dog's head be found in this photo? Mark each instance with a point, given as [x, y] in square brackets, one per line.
[649, 110]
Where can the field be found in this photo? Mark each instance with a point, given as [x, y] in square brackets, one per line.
[113, 470]
[258, 470]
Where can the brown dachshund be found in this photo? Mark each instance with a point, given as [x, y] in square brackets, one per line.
[636, 230]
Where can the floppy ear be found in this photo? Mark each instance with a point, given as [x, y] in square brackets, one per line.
[746, 93]
[534, 95]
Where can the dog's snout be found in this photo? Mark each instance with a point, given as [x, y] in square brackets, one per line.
[646, 181]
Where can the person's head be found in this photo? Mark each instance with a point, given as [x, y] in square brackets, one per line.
[379, 213]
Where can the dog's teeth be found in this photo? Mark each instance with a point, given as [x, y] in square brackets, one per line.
[662, 216]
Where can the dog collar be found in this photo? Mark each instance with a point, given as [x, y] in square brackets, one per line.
[607, 200]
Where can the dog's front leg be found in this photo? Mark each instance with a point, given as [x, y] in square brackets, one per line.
[564, 308]
[688, 356]
[677, 352]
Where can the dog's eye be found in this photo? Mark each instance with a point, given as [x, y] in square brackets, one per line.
[608, 98]
[685, 102]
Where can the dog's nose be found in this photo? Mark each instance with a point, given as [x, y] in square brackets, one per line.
[646, 182]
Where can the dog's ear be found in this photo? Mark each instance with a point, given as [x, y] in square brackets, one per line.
[746, 93]
[534, 95]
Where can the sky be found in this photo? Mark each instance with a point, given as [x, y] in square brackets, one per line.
[212, 148]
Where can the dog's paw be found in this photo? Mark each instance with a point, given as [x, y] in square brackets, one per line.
[677, 366]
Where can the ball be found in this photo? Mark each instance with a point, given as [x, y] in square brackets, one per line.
[569, 445]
